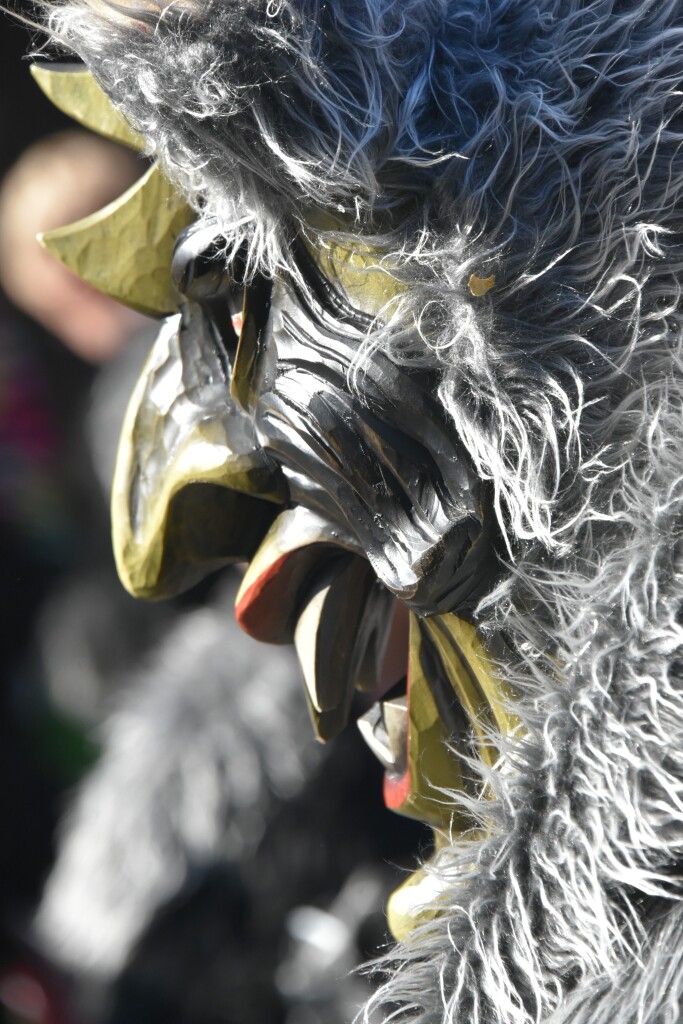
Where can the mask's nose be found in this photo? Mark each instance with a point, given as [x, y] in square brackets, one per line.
[192, 489]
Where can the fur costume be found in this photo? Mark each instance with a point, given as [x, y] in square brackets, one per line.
[132, 845]
[540, 143]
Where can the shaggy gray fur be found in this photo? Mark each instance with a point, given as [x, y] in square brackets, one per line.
[540, 141]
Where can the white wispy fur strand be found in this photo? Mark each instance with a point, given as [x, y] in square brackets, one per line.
[540, 142]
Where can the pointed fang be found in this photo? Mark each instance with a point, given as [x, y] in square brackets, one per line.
[395, 715]
[327, 630]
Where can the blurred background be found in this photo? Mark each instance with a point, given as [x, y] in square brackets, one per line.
[173, 844]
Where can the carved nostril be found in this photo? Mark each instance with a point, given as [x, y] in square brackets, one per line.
[239, 310]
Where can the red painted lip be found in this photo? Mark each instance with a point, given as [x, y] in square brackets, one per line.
[397, 789]
[258, 611]
[268, 609]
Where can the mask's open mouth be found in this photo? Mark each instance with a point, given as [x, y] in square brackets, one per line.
[306, 585]
[422, 690]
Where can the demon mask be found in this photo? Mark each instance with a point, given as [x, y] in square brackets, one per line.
[424, 378]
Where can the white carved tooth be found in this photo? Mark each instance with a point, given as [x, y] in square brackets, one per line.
[306, 643]
[326, 633]
[395, 718]
[372, 730]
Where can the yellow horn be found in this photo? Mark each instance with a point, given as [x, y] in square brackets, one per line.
[125, 250]
[74, 91]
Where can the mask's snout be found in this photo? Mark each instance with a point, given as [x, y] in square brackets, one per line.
[192, 489]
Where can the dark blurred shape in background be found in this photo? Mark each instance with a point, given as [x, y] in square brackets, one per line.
[53, 517]
[24, 115]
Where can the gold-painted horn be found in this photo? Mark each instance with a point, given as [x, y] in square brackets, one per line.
[74, 91]
[125, 250]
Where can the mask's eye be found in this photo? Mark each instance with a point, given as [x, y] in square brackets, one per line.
[200, 275]
[321, 296]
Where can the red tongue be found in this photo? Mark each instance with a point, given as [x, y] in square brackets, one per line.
[397, 789]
